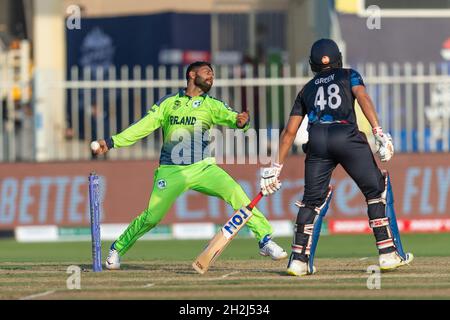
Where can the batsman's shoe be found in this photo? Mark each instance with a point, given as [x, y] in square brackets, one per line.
[113, 260]
[299, 268]
[392, 260]
[268, 248]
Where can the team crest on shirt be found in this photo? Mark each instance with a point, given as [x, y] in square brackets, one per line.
[176, 105]
[196, 104]
[162, 184]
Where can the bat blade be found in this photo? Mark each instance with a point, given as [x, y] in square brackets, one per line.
[221, 240]
[210, 253]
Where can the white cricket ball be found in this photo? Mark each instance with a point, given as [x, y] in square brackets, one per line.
[95, 145]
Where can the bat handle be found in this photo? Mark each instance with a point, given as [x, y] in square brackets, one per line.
[255, 201]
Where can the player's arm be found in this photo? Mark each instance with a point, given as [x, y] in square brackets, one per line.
[366, 104]
[224, 115]
[140, 129]
[383, 141]
[288, 136]
[270, 182]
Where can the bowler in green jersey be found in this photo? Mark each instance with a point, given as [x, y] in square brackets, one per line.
[185, 164]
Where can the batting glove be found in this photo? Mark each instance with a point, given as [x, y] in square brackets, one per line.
[269, 179]
[383, 141]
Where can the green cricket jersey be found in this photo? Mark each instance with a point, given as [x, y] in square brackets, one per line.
[185, 121]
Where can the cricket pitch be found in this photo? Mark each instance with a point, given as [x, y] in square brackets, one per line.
[425, 278]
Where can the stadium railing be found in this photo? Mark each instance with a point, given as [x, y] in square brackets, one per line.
[413, 101]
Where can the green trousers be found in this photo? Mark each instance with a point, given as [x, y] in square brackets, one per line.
[170, 181]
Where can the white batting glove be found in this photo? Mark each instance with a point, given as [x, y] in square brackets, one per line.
[383, 141]
[269, 179]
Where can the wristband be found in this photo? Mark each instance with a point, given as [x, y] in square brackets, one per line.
[109, 142]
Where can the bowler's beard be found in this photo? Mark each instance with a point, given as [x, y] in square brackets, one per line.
[202, 84]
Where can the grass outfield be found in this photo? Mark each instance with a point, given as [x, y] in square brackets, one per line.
[162, 270]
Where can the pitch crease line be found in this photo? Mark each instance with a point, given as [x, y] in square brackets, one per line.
[37, 295]
[229, 274]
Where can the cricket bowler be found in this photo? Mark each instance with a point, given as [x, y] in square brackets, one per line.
[328, 101]
[185, 163]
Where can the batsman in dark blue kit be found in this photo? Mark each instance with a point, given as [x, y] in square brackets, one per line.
[328, 101]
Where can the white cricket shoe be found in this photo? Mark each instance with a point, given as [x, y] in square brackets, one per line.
[299, 268]
[113, 260]
[273, 250]
[392, 260]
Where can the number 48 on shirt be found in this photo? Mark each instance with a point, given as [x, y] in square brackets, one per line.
[332, 99]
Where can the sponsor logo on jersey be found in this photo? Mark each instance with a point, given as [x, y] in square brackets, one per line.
[176, 105]
[182, 120]
[196, 104]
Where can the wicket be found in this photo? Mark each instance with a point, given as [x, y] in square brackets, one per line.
[94, 206]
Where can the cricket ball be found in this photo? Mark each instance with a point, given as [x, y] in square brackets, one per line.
[95, 145]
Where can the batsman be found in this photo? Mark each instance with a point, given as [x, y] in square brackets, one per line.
[185, 162]
[328, 101]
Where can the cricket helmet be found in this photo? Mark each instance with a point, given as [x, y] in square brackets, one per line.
[325, 54]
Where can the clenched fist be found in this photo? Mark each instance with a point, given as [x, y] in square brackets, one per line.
[242, 119]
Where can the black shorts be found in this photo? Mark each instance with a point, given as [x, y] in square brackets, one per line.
[333, 144]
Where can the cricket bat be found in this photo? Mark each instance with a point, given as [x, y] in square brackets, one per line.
[221, 240]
